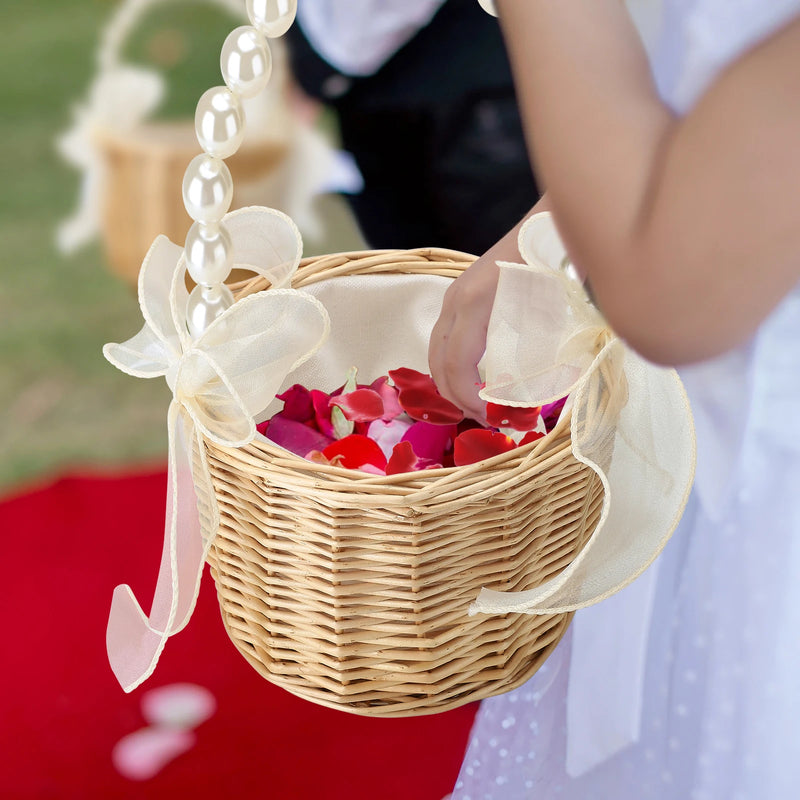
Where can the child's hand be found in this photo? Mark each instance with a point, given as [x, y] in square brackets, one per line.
[458, 339]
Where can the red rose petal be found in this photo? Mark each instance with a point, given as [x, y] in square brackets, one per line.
[421, 400]
[529, 437]
[362, 405]
[403, 459]
[355, 451]
[405, 378]
[520, 419]
[477, 444]
[389, 395]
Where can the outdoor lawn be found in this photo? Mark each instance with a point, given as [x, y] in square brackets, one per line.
[64, 407]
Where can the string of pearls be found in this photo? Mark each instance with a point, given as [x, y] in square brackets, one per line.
[246, 66]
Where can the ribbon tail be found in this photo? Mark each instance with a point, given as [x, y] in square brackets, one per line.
[607, 673]
[135, 641]
[647, 473]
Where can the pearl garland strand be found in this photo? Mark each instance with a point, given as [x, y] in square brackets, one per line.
[246, 66]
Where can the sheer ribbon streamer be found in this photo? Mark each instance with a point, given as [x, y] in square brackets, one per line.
[631, 424]
[219, 381]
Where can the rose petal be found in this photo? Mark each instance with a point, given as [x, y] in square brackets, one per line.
[143, 754]
[361, 405]
[551, 412]
[388, 434]
[430, 441]
[520, 419]
[477, 444]
[371, 469]
[403, 459]
[529, 437]
[355, 451]
[297, 403]
[421, 400]
[389, 395]
[322, 412]
[294, 436]
[178, 705]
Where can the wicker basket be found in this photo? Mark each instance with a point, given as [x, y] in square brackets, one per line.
[352, 590]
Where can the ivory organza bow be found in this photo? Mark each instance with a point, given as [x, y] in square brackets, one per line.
[219, 381]
[631, 423]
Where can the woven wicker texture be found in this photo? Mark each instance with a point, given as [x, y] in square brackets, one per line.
[352, 590]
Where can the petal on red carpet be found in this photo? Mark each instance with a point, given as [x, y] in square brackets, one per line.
[67, 545]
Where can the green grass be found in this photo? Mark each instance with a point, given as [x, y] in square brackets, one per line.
[63, 406]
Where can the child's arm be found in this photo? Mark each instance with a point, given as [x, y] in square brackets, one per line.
[689, 229]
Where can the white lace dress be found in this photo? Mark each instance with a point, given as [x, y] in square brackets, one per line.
[720, 700]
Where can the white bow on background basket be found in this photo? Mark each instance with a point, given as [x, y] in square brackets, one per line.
[404, 594]
[132, 163]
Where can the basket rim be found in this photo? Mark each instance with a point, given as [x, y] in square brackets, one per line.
[430, 260]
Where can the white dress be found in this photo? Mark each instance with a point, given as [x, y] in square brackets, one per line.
[720, 705]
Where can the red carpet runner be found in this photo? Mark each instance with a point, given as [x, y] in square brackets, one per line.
[65, 548]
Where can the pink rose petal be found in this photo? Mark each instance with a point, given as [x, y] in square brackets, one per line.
[178, 705]
[371, 469]
[388, 434]
[551, 413]
[294, 436]
[430, 441]
[141, 755]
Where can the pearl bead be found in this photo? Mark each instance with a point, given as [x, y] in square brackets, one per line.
[272, 17]
[488, 6]
[246, 61]
[207, 188]
[206, 303]
[219, 122]
[209, 253]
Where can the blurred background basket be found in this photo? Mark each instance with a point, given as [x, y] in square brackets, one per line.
[353, 590]
[144, 173]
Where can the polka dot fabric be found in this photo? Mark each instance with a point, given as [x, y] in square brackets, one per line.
[720, 718]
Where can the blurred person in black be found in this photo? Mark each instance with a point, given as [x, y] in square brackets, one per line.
[425, 102]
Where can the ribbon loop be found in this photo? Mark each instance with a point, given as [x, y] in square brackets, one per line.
[219, 382]
[630, 420]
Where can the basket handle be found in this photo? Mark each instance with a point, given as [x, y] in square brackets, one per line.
[125, 19]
